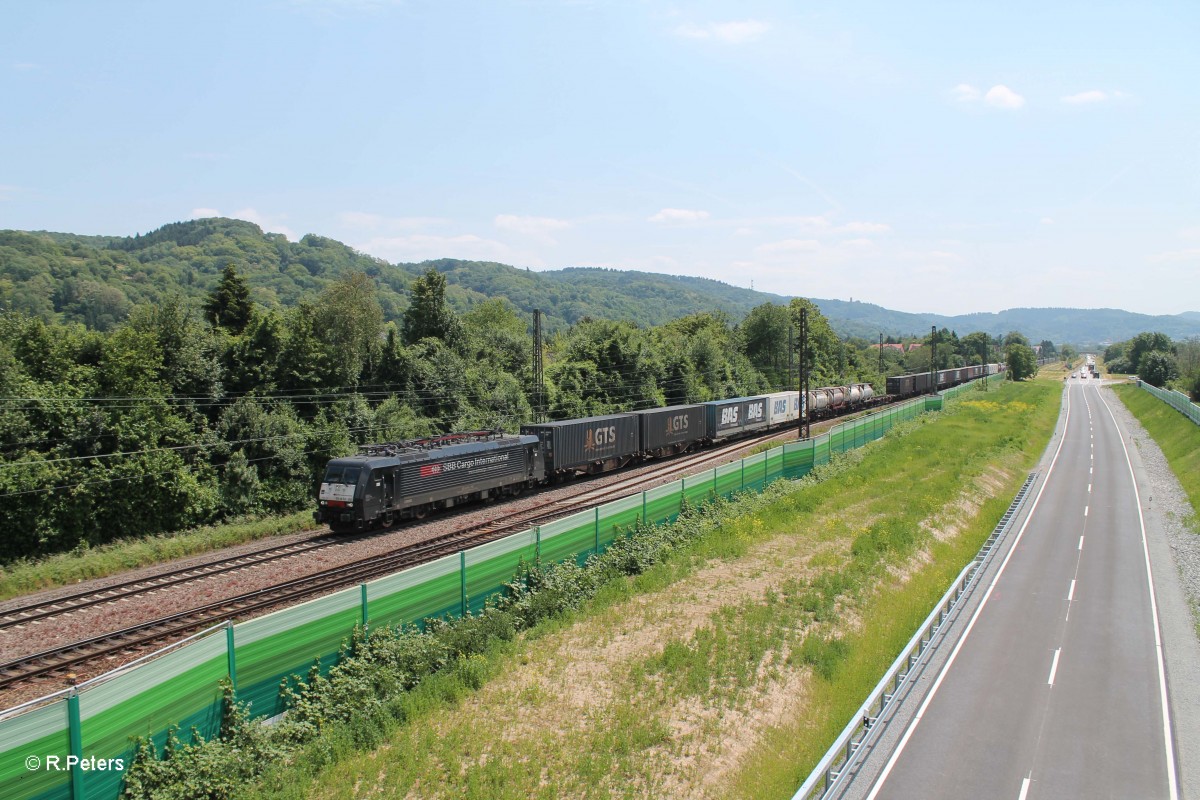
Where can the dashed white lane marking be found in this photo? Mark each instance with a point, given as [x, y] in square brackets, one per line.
[1080, 542]
[933, 690]
[1054, 666]
[1085, 510]
[1071, 593]
[1024, 787]
[1089, 488]
[1169, 744]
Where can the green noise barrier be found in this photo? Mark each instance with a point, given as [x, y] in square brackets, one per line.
[1176, 400]
[98, 725]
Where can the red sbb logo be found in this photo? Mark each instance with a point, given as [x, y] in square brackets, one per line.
[431, 469]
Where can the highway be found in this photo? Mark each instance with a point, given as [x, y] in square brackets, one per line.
[1056, 688]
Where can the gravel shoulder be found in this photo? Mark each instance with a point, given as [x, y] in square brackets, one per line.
[1175, 563]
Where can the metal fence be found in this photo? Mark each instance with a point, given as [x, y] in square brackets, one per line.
[181, 687]
[1176, 400]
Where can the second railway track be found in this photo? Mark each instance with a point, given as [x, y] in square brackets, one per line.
[139, 637]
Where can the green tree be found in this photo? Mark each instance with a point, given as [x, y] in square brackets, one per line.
[765, 335]
[1015, 337]
[1021, 361]
[976, 348]
[229, 305]
[1145, 343]
[349, 322]
[1158, 368]
[428, 316]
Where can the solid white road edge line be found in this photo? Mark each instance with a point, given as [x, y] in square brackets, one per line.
[891, 764]
[1172, 782]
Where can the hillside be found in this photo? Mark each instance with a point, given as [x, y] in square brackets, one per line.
[97, 279]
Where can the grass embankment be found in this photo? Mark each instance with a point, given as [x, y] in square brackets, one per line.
[1177, 436]
[727, 669]
[22, 577]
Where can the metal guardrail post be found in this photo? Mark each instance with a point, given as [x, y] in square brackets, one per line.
[231, 654]
[76, 744]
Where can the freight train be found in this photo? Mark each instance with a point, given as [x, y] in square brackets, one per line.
[922, 382]
[386, 483]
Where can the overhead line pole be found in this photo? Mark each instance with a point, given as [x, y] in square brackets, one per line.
[804, 409]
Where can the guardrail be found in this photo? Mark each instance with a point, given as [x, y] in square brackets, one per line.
[1176, 400]
[831, 772]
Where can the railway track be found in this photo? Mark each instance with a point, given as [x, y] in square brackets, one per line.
[33, 612]
[139, 637]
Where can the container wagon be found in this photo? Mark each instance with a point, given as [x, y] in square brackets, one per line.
[587, 446]
[782, 408]
[728, 418]
[385, 483]
[671, 430]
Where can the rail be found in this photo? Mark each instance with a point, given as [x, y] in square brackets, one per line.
[836, 765]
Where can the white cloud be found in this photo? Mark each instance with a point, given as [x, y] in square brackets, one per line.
[422, 247]
[864, 228]
[788, 246]
[539, 228]
[1047, 221]
[1084, 98]
[268, 224]
[1191, 254]
[8, 192]
[1001, 96]
[26, 66]
[679, 216]
[965, 93]
[727, 32]
[363, 220]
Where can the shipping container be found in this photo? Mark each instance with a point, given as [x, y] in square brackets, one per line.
[595, 444]
[674, 429]
[725, 418]
[782, 408]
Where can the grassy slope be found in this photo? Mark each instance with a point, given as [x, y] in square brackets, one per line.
[24, 577]
[727, 670]
[1177, 436]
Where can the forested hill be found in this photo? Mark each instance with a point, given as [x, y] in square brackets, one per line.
[97, 279]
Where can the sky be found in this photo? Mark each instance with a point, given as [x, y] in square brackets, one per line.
[946, 157]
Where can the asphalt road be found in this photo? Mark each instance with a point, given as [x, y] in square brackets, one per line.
[1057, 688]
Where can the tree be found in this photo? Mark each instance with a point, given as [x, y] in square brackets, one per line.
[229, 306]
[1015, 337]
[1157, 368]
[1047, 349]
[349, 322]
[1022, 363]
[765, 335]
[428, 316]
[1145, 343]
[976, 348]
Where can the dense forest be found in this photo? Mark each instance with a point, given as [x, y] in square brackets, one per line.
[186, 409]
[97, 280]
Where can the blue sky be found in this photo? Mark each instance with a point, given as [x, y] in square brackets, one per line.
[947, 157]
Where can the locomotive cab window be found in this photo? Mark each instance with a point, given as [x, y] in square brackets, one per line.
[339, 474]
